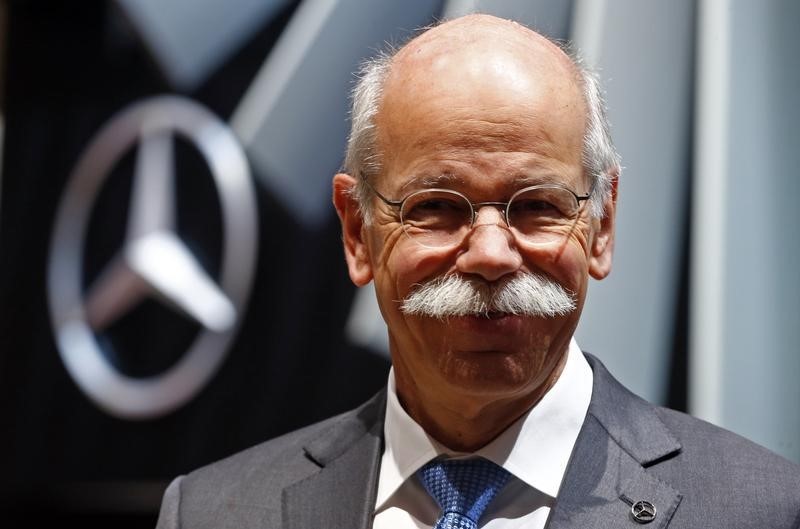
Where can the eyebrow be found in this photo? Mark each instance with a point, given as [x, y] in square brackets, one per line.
[432, 180]
[545, 178]
[449, 179]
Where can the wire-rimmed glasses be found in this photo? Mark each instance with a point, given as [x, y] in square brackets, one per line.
[437, 218]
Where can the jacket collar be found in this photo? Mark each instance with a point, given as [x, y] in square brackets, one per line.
[630, 420]
[342, 493]
[608, 472]
[621, 437]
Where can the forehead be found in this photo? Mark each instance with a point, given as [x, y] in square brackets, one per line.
[489, 94]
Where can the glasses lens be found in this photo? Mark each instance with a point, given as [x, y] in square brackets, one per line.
[539, 214]
[436, 218]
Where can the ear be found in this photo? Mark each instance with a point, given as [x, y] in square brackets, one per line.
[356, 252]
[602, 249]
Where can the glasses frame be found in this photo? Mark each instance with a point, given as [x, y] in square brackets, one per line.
[503, 207]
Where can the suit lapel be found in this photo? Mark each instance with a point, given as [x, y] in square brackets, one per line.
[608, 473]
[342, 493]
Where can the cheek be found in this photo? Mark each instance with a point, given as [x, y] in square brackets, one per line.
[399, 264]
[573, 263]
[575, 274]
[409, 264]
[567, 263]
[399, 269]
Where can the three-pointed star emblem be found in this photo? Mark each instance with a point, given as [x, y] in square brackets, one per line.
[152, 261]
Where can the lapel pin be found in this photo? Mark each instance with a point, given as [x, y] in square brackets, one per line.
[643, 511]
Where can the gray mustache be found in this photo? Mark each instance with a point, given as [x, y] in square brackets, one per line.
[523, 294]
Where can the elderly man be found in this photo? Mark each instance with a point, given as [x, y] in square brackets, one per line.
[479, 197]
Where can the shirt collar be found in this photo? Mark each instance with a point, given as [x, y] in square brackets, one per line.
[535, 449]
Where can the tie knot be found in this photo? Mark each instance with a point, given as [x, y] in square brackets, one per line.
[462, 488]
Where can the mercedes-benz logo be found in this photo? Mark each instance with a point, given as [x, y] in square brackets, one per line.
[153, 261]
[643, 511]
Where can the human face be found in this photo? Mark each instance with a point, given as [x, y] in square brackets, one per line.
[486, 124]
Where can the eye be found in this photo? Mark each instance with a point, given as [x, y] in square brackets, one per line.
[544, 202]
[436, 210]
[525, 206]
[434, 205]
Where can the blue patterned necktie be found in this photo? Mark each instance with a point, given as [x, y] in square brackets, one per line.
[463, 489]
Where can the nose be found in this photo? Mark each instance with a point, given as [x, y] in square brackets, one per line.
[489, 249]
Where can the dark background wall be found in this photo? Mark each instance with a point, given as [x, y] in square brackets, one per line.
[70, 67]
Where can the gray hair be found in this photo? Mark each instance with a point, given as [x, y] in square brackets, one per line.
[363, 161]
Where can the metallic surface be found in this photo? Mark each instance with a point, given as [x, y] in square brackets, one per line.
[153, 261]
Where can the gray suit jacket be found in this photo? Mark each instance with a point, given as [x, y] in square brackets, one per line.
[325, 476]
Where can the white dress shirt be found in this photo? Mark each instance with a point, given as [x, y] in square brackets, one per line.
[535, 450]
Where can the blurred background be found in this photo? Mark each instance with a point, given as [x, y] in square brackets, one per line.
[172, 287]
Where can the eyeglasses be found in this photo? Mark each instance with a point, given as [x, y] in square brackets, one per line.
[437, 218]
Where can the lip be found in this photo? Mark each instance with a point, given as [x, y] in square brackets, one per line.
[494, 323]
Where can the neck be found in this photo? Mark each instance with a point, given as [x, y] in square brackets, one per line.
[473, 421]
[461, 432]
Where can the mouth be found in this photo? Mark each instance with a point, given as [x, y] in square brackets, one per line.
[488, 316]
[492, 323]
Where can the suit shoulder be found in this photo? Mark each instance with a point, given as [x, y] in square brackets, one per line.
[720, 478]
[717, 469]
[285, 449]
[704, 445]
[250, 482]
[704, 438]
[261, 470]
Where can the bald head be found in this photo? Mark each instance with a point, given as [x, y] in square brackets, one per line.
[482, 69]
[483, 35]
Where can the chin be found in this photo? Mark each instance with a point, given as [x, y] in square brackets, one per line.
[489, 372]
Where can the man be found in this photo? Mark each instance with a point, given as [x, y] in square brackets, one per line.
[479, 197]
